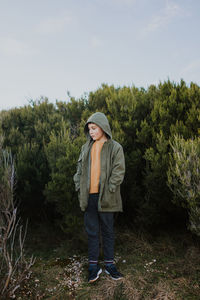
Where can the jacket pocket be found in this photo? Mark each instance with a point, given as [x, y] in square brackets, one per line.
[108, 200]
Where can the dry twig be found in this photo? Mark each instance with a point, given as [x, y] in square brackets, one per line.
[14, 267]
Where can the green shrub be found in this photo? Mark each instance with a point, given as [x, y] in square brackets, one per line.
[62, 154]
[46, 138]
[184, 177]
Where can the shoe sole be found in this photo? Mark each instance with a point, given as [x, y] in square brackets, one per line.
[113, 277]
[95, 279]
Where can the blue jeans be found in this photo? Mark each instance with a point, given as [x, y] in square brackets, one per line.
[96, 223]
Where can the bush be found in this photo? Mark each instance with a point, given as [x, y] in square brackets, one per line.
[62, 154]
[184, 178]
[45, 140]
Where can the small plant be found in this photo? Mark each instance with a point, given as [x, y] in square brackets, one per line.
[184, 178]
[14, 267]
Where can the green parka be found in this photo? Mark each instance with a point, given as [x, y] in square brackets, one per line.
[112, 169]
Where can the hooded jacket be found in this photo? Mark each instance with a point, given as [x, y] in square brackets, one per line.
[112, 169]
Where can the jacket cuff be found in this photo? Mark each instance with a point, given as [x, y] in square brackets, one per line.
[112, 188]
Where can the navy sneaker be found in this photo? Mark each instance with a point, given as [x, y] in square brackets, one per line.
[94, 273]
[112, 271]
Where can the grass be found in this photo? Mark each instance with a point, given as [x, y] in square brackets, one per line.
[163, 266]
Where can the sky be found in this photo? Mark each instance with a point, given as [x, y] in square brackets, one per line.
[53, 48]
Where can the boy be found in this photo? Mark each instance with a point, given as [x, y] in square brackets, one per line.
[100, 172]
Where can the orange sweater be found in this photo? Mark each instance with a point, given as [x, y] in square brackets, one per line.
[95, 167]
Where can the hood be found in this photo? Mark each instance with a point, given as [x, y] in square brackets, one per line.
[101, 120]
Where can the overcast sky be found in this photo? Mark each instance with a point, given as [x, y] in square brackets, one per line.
[50, 47]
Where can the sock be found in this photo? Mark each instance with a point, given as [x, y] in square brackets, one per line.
[108, 263]
[93, 263]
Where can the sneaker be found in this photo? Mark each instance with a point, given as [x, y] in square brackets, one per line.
[94, 273]
[112, 271]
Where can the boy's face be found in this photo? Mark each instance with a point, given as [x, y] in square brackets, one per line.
[96, 133]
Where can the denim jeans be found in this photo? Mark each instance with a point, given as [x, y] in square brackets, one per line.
[96, 223]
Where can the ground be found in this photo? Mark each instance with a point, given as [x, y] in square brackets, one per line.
[160, 266]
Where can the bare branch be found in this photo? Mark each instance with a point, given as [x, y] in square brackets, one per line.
[14, 267]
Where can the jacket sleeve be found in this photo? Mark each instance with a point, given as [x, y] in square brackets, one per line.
[78, 173]
[118, 170]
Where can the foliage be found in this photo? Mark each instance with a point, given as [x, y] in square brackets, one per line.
[62, 154]
[184, 177]
[46, 138]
